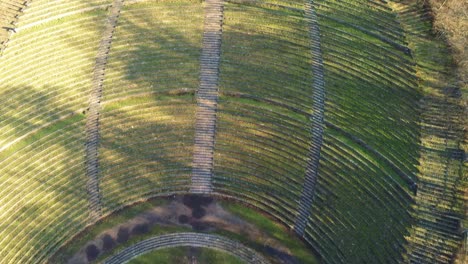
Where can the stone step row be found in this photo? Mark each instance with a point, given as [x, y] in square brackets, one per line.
[207, 99]
[92, 121]
[316, 121]
[188, 240]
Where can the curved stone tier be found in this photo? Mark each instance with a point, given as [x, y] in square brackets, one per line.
[188, 240]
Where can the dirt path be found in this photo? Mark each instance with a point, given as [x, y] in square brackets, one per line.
[201, 214]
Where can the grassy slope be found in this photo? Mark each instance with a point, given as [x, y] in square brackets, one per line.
[273, 229]
[355, 187]
[155, 50]
[44, 199]
[262, 148]
[441, 174]
[361, 211]
[451, 21]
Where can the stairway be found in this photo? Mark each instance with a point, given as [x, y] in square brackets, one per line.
[207, 99]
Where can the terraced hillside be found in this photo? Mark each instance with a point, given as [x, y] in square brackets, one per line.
[46, 72]
[148, 102]
[338, 119]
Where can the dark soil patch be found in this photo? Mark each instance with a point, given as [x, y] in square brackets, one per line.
[92, 252]
[194, 201]
[193, 254]
[280, 255]
[183, 219]
[140, 229]
[198, 212]
[108, 242]
[122, 235]
[152, 218]
[199, 226]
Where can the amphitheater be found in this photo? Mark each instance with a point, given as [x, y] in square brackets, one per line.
[236, 131]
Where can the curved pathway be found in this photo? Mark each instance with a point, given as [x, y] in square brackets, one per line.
[192, 212]
[316, 118]
[92, 120]
[187, 239]
[207, 99]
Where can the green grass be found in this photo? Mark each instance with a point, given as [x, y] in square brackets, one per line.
[45, 77]
[250, 62]
[266, 55]
[110, 221]
[156, 132]
[146, 119]
[44, 9]
[179, 255]
[43, 183]
[374, 99]
[41, 133]
[261, 150]
[165, 255]
[366, 105]
[155, 231]
[371, 93]
[156, 47]
[273, 229]
[435, 70]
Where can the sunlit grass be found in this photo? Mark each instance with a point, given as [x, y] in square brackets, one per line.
[145, 148]
[45, 76]
[440, 133]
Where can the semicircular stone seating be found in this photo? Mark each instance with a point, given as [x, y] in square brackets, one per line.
[187, 240]
[362, 137]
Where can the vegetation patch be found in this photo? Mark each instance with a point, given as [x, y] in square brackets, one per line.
[277, 231]
[184, 255]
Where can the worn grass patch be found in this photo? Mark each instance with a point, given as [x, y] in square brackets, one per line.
[179, 255]
[274, 229]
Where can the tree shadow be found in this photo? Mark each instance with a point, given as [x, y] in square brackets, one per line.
[436, 233]
[147, 122]
[43, 193]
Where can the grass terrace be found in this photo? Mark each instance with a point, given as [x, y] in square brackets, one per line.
[181, 255]
[439, 211]
[43, 197]
[149, 105]
[40, 11]
[265, 82]
[393, 115]
[155, 49]
[154, 131]
[371, 92]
